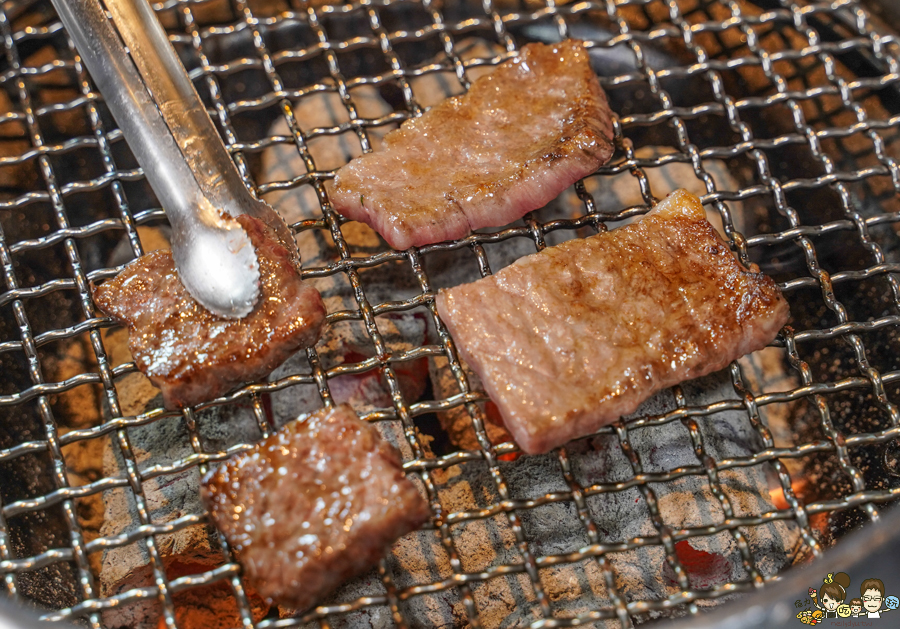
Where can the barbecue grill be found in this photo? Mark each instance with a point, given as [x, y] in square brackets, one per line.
[784, 114]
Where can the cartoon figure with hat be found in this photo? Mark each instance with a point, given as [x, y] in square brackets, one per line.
[833, 594]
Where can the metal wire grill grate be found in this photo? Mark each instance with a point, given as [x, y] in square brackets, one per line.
[795, 102]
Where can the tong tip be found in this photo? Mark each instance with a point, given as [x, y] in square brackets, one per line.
[220, 270]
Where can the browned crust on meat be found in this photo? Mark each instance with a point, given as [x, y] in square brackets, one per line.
[576, 336]
[193, 355]
[485, 158]
[318, 502]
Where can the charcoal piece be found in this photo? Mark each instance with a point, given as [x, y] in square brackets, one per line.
[189, 550]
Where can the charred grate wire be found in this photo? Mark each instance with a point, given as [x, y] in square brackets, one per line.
[822, 117]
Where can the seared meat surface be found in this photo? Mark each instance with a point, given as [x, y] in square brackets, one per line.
[193, 355]
[317, 502]
[572, 338]
[519, 137]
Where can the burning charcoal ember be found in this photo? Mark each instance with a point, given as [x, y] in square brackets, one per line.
[410, 197]
[344, 344]
[766, 371]
[365, 585]
[688, 501]
[317, 502]
[193, 355]
[417, 558]
[457, 422]
[620, 516]
[791, 424]
[559, 385]
[189, 550]
[420, 559]
[552, 529]
[78, 409]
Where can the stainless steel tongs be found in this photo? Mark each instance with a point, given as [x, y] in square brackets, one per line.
[167, 128]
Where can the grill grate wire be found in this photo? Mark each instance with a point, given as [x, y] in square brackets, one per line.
[686, 22]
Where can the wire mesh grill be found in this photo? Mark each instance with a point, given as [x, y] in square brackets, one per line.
[783, 115]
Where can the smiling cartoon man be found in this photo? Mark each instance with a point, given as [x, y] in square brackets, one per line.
[872, 592]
